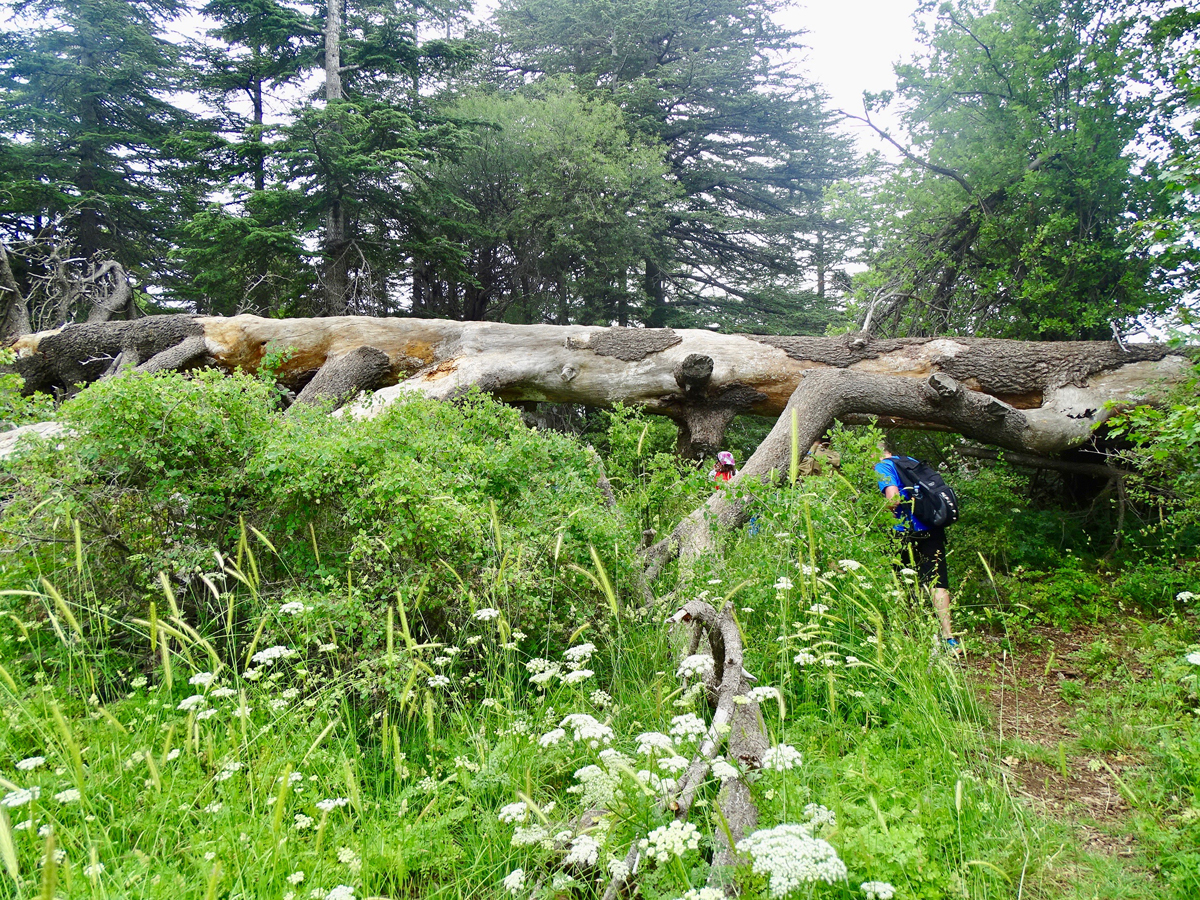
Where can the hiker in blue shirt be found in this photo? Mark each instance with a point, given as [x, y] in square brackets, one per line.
[922, 548]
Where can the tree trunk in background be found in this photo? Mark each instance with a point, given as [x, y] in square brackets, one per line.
[337, 261]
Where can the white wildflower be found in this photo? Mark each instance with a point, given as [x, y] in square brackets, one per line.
[602, 699]
[341, 892]
[791, 857]
[724, 770]
[486, 614]
[94, 870]
[817, 815]
[762, 694]
[1185, 596]
[190, 703]
[818, 609]
[514, 881]
[578, 655]
[331, 803]
[227, 770]
[674, 764]
[293, 608]
[588, 730]
[514, 813]
[585, 850]
[202, 679]
[1193, 658]
[598, 787]
[70, 795]
[30, 763]
[221, 693]
[213, 808]
[687, 727]
[783, 583]
[138, 683]
[295, 878]
[850, 564]
[698, 665]
[577, 676]
[673, 839]
[781, 758]
[530, 836]
[552, 737]
[652, 742]
[878, 890]
[329, 647]
[437, 681]
[617, 869]
[301, 822]
[268, 656]
[704, 893]
[804, 658]
[20, 797]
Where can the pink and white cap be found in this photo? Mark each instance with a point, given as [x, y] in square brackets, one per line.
[725, 458]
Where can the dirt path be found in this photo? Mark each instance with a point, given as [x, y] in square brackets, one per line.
[1025, 693]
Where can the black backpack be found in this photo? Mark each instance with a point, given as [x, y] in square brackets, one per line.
[934, 503]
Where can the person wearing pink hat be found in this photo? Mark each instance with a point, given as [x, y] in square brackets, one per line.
[726, 467]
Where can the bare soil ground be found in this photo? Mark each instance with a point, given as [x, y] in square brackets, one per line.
[1023, 692]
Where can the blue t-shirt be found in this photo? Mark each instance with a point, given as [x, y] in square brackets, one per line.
[887, 475]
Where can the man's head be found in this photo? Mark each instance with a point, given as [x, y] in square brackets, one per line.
[885, 447]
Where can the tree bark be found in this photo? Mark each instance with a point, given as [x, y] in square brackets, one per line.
[1031, 397]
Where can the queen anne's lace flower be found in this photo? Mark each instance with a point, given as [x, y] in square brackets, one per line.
[585, 850]
[579, 654]
[818, 609]
[189, 703]
[202, 679]
[20, 797]
[790, 857]
[486, 614]
[804, 658]
[1185, 596]
[602, 699]
[762, 693]
[514, 881]
[552, 737]
[651, 742]
[438, 681]
[850, 564]
[687, 727]
[817, 815]
[878, 890]
[514, 813]
[30, 763]
[341, 892]
[617, 869]
[268, 656]
[586, 729]
[578, 675]
[724, 770]
[1194, 658]
[70, 795]
[331, 803]
[704, 893]
[529, 836]
[783, 583]
[781, 757]
[698, 665]
[598, 787]
[673, 839]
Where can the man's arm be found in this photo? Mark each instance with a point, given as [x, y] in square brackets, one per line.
[893, 495]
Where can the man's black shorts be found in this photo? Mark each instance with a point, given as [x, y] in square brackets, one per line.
[925, 551]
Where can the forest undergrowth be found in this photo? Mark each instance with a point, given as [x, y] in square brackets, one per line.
[248, 654]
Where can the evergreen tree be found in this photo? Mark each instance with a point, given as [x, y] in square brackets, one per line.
[91, 143]
[747, 139]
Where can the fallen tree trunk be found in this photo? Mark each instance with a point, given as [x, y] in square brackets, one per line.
[698, 378]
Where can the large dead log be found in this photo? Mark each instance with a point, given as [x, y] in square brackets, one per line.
[1057, 391]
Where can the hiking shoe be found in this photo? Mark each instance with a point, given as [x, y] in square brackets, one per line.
[954, 648]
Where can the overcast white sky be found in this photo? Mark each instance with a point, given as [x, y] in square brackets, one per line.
[853, 45]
